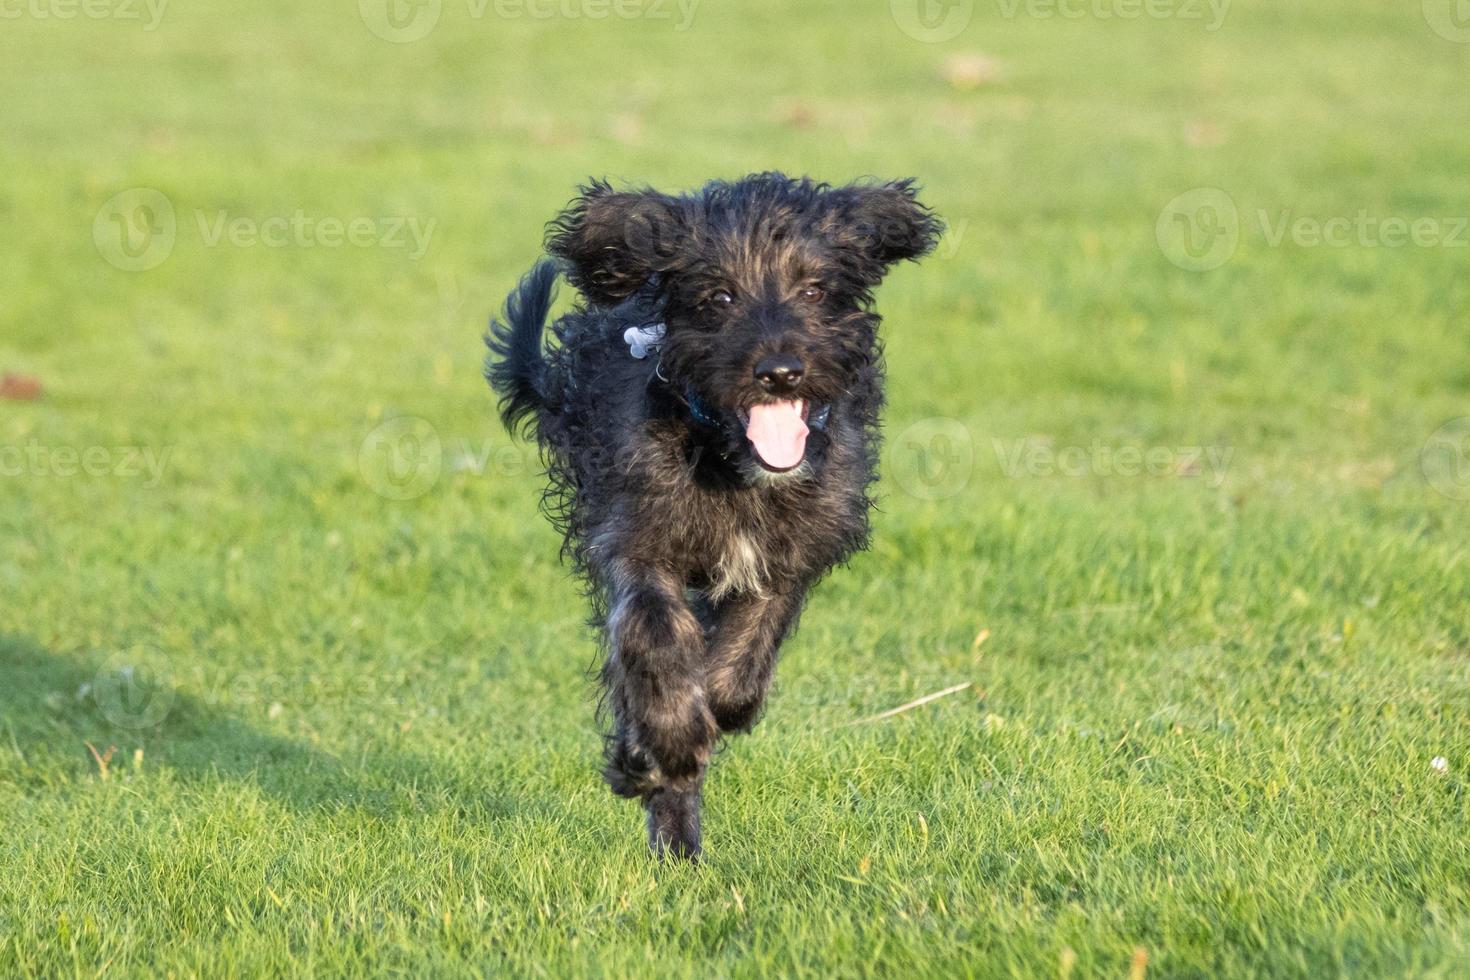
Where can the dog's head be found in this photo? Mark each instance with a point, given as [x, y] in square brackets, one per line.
[766, 287]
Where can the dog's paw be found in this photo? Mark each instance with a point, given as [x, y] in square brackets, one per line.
[673, 823]
[738, 716]
[630, 772]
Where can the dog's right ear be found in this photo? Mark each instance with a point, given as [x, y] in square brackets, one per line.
[884, 222]
[614, 241]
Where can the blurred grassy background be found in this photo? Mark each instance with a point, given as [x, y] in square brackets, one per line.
[356, 734]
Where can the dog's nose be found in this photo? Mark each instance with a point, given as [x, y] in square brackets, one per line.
[780, 373]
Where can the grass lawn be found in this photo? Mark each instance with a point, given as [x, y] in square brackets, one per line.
[1178, 478]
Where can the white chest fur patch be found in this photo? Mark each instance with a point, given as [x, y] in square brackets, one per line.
[742, 568]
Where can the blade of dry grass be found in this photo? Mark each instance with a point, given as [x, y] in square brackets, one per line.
[917, 702]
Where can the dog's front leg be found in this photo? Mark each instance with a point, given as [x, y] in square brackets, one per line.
[656, 675]
[748, 634]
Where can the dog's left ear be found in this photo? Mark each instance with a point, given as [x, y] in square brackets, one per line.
[885, 223]
[614, 241]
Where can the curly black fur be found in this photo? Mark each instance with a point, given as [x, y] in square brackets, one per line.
[697, 553]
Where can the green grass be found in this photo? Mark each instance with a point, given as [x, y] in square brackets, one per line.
[358, 733]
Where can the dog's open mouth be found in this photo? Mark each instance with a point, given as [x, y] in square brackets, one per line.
[777, 432]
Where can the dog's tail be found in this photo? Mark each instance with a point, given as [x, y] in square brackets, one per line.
[516, 367]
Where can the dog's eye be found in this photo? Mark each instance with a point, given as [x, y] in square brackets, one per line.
[722, 298]
[812, 294]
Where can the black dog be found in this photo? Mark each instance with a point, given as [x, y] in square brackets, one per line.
[709, 421]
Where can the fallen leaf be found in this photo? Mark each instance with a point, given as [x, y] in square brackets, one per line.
[20, 388]
[799, 115]
[627, 128]
[966, 72]
[1203, 135]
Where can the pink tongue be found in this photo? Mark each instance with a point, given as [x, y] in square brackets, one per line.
[778, 434]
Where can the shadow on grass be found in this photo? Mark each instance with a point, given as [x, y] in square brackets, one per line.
[53, 706]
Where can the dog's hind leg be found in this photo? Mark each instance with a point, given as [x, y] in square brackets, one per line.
[655, 675]
[747, 638]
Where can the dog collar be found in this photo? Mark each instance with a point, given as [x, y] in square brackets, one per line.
[816, 419]
[698, 411]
